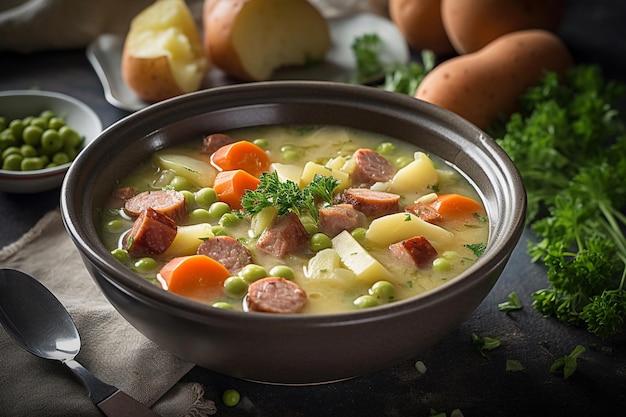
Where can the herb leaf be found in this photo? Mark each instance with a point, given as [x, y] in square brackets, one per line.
[287, 195]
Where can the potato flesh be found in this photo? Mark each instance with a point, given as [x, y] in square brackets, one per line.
[167, 29]
[276, 33]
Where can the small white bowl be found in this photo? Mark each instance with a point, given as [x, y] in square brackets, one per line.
[21, 103]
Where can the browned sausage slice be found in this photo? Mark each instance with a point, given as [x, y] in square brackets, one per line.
[417, 251]
[335, 219]
[168, 202]
[372, 203]
[215, 141]
[285, 235]
[276, 295]
[371, 167]
[151, 234]
[424, 212]
[228, 251]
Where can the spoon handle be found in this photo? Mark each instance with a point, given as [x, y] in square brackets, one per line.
[109, 399]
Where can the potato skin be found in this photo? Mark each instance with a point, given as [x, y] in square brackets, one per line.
[482, 85]
[472, 24]
[150, 78]
[420, 23]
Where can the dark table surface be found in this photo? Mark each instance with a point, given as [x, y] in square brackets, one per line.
[457, 376]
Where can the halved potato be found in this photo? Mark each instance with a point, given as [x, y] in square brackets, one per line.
[163, 55]
[249, 39]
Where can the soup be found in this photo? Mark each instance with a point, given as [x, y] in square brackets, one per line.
[295, 219]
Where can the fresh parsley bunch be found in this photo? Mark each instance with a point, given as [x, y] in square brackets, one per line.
[569, 142]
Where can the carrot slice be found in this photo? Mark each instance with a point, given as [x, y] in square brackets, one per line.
[456, 206]
[241, 155]
[194, 276]
[230, 186]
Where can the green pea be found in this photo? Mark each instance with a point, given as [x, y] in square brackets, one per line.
[320, 241]
[261, 143]
[121, 255]
[229, 220]
[223, 305]
[219, 230]
[146, 264]
[385, 148]
[70, 136]
[383, 290]
[403, 161]
[218, 209]
[51, 165]
[282, 271]
[10, 151]
[235, 286]
[290, 155]
[7, 139]
[70, 151]
[47, 114]
[199, 215]
[12, 162]
[28, 150]
[17, 127]
[39, 122]
[56, 123]
[441, 265]
[365, 301]
[253, 272]
[26, 120]
[31, 163]
[190, 199]
[51, 140]
[450, 255]
[115, 226]
[60, 158]
[359, 233]
[231, 397]
[205, 197]
[32, 135]
[3, 122]
[180, 183]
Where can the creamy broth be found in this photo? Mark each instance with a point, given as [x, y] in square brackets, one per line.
[291, 147]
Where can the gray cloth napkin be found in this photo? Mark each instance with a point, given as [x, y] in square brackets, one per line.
[111, 348]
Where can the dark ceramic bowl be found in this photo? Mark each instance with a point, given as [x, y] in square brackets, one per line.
[294, 349]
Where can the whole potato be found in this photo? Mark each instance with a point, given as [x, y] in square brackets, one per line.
[472, 24]
[419, 22]
[484, 84]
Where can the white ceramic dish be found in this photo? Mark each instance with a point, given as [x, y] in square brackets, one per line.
[105, 55]
[21, 103]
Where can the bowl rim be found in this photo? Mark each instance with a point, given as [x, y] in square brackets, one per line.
[496, 254]
[60, 169]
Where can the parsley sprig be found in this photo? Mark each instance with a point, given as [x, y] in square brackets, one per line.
[288, 196]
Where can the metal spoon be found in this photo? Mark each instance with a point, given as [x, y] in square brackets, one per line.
[37, 320]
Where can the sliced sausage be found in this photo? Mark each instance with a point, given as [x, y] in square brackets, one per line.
[371, 167]
[215, 141]
[275, 295]
[285, 235]
[335, 219]
[424, 212]
[168, 202]
[372, 203]
[416, 251]
[228, 251]
[151, 234]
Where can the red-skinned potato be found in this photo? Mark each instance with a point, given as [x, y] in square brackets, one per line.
[485, 84]
[472, 24]
[250, 39]
[419, 22]
[163, 55]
